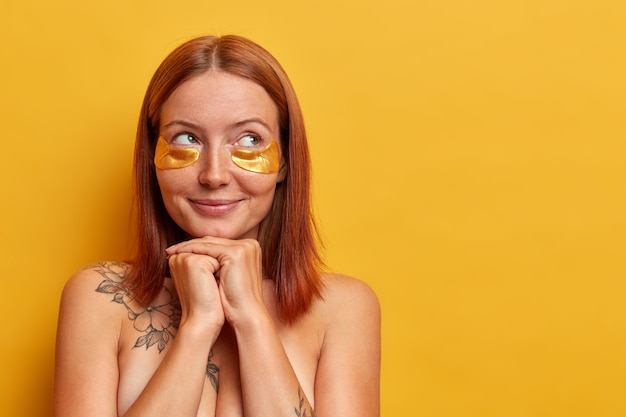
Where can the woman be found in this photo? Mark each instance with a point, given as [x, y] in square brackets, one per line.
[223, 311]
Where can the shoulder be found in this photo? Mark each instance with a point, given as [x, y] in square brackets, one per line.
[350, 352]
[103, 277]
[347, 302]
[88, 337]
[89, 291]
[341, 291]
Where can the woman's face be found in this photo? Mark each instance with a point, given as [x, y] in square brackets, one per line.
[216, 114]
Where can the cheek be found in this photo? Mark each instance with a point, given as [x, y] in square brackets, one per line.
[258, 184]
[170, 182]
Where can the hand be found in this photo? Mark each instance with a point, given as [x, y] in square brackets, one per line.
[196, 286]
[239, 272]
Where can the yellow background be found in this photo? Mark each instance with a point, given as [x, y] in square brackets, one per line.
[468, 164]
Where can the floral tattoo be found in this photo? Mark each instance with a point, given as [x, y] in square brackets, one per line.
[303, 409]
[211, 372]
[158, 322]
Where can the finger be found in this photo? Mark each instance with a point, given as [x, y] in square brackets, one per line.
[187, 260]
[219, 248]
[184, 246]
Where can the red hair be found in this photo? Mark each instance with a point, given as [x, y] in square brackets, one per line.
[288, 235]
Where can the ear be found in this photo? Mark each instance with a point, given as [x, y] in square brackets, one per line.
[282, 172]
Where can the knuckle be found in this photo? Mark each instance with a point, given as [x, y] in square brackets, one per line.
[252, 245]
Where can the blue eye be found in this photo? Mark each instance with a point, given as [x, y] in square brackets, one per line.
[185, 139]
[249, 140]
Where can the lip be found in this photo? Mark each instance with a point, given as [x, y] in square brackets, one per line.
[214, 207]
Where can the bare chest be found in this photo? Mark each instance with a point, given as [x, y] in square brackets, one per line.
[146, 336]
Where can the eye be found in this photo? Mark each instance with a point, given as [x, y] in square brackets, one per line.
[185, 139]
[249, 140]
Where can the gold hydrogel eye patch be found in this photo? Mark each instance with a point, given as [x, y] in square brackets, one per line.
[265, 161]
[166, 157]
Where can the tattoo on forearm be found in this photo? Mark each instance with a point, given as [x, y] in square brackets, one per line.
[158, 322]
[304, 408]
[211, 372]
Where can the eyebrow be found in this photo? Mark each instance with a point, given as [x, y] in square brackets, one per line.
[252, 120]
[179, 122]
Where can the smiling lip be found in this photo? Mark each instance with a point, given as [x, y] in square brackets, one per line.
[214, 207]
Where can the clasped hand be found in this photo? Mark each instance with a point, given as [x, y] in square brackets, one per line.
[217, 279]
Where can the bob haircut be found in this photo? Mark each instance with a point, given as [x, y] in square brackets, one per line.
[287, 235]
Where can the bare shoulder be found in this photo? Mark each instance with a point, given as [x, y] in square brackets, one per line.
[341, 288]
[103, 277]
[87, 314]
[350, 354]
[90, 290]
[88, 335]
[344, 294]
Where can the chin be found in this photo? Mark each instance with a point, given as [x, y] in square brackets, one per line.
[222, 233]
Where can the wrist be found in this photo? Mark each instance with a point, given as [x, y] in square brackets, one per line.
[257, 320]
[203, 330]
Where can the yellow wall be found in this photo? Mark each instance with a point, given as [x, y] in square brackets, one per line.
[469, 164]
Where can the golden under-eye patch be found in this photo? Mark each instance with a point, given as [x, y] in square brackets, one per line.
[166, 157]
[264, 161]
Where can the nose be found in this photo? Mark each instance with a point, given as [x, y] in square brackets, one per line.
[216, 168]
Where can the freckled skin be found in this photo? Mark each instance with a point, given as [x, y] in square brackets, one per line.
[211, 344]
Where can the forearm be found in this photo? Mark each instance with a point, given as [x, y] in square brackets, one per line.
[269, 384]
[177, 385]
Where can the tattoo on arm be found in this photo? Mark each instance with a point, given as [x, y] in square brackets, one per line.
[158, 322]
[211, 372]
[304, 408]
